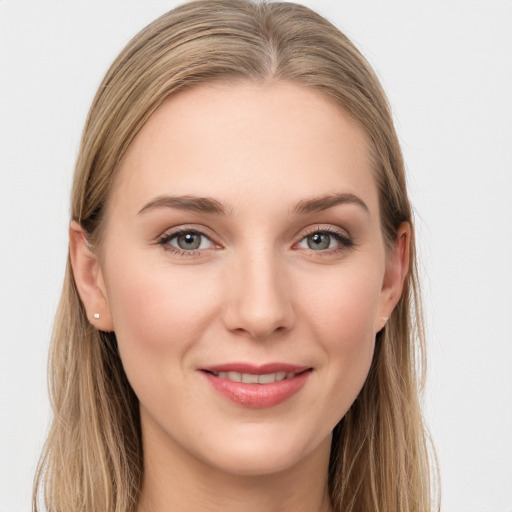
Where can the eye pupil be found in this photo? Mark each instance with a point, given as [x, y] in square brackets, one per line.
[189, 241]
[319, 241]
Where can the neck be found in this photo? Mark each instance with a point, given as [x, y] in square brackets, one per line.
[176, 480]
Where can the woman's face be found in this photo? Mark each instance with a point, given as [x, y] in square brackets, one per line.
[243, 243]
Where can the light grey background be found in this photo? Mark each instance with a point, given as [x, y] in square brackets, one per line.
[447, 68]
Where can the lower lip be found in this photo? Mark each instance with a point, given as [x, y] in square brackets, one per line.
[258, 396]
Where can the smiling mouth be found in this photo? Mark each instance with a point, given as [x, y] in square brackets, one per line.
[257, 387]
[251, 378]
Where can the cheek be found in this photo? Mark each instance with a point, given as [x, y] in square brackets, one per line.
[158, 316]
[343, 305]
[156, 311]
[342, 316]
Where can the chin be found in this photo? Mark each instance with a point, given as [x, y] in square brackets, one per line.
[265, 454]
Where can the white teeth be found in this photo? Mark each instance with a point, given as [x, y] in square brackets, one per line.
[249, 378]
[237, 377]
[267, 378]
[280, 376]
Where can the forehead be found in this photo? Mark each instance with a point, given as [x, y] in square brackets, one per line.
[277, 140]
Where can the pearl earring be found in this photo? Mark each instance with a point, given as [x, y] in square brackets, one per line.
[96, 315]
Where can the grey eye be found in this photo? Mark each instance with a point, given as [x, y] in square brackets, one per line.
[319, 241]
[188, 241]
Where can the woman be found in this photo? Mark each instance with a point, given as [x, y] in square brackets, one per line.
[238, 322]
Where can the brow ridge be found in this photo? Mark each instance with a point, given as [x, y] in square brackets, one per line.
[317, 204]
[212, 206]
[199, 204]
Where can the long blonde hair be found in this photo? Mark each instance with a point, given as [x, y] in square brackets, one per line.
[92, 460]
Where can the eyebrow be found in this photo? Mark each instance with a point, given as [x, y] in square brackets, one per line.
[198, 204]
[318, 204]
[212, 206]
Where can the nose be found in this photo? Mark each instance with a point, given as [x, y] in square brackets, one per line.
[257, 301]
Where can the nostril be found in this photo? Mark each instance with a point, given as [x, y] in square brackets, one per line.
[257, 304]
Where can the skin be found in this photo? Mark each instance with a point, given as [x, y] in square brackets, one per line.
[254, 292]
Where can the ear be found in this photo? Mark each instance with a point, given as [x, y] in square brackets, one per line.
[89, 279]
[397, 269]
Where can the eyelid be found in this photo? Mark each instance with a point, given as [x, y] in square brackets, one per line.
[343, 237]
[175, 231]
[185, 228]
[324, 228]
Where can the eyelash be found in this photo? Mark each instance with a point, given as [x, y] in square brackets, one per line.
[344, 240]
[167, 237]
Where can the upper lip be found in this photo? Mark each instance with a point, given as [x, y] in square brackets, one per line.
[255, 369]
